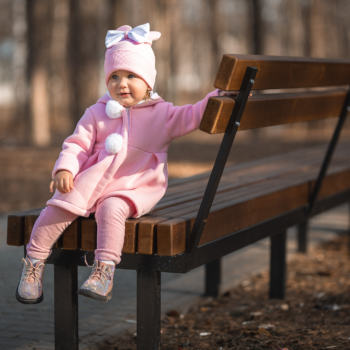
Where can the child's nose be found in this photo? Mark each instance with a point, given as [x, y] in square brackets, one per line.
[123, 82]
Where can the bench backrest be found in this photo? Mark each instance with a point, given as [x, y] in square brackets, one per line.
[248, 72]
[271, 109]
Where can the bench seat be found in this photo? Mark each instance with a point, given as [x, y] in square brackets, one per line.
[249, 193]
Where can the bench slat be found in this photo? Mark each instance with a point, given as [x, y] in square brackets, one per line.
[15, 227]
[148, 227]
[265, 110]
[71, 237]
[278, 72]
[244, 173]
[88, 234]
[243, 169]
[238, 175]
[89, 237]
[172, 234]
[246, 211]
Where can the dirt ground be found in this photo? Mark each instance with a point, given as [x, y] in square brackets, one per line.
[25, 172]
[314, 315]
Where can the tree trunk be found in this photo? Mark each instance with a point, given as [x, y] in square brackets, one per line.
[83, 56]
[39, 30]
[214, 36]
[61, 124]
[19, 121]
[257, 28]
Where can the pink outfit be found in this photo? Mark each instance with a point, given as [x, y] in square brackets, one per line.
[139, 170]
[137, 173]
[111, 213]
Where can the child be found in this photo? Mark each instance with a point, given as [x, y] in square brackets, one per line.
[114, 164]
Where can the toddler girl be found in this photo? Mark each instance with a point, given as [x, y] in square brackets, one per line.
[114, 164]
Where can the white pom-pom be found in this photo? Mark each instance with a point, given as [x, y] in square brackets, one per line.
[154, 96]
[114, 143]
[114, 109]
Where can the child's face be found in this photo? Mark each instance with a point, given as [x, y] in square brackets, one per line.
[126, 88]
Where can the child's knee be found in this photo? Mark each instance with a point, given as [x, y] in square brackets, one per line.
[115, 207]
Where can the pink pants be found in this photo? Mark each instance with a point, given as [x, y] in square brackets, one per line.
[110, 217]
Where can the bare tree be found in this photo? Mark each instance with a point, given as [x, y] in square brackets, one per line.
[214, 28]
[83, 55]
[257, 27]
[19, 121]
[61, 123]
[39, 43]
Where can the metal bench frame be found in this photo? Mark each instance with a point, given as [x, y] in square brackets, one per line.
[149, 267]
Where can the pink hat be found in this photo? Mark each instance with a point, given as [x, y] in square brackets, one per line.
[131, 49]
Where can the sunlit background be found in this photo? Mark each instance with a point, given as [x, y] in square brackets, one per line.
[51, 70]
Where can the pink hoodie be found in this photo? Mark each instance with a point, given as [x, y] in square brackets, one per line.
[139, 170]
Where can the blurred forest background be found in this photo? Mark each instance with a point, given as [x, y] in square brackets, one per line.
[51, 70]
[52, 52]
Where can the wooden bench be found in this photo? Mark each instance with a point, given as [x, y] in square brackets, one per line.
[199, 221]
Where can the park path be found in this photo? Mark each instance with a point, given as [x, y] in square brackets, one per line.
[31, 327]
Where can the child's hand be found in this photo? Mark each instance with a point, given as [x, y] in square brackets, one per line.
[63, 181]
[232, 93]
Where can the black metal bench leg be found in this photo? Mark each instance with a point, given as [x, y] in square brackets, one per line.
[302, 237]
[148, 310]
[213, 278]
[278, 266]
[66, 307]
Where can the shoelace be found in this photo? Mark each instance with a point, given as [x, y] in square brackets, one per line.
[98, 273]
[32, 273]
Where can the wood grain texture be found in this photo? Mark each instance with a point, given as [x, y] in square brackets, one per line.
[88, 234]
[29, 222]
[274, 197]
[278, 72]
[130, 241]
[16, 227]
[265, 110]
[71, 239]
[15, 230]
[68, 240]
[234, 179]
[216, 115]
[243, 174]
[147, 234]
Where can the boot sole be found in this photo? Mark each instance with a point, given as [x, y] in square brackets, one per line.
[92, 295]
[29, 301]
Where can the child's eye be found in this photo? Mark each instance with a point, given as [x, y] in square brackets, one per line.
[130, 76]
[114, 76]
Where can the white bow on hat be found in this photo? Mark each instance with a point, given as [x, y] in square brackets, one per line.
[140, 34]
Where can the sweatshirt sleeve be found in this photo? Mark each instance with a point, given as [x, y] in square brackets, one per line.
[185, 119]
[77, 148]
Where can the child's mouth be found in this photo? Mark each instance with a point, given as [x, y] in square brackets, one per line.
[124, 94]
